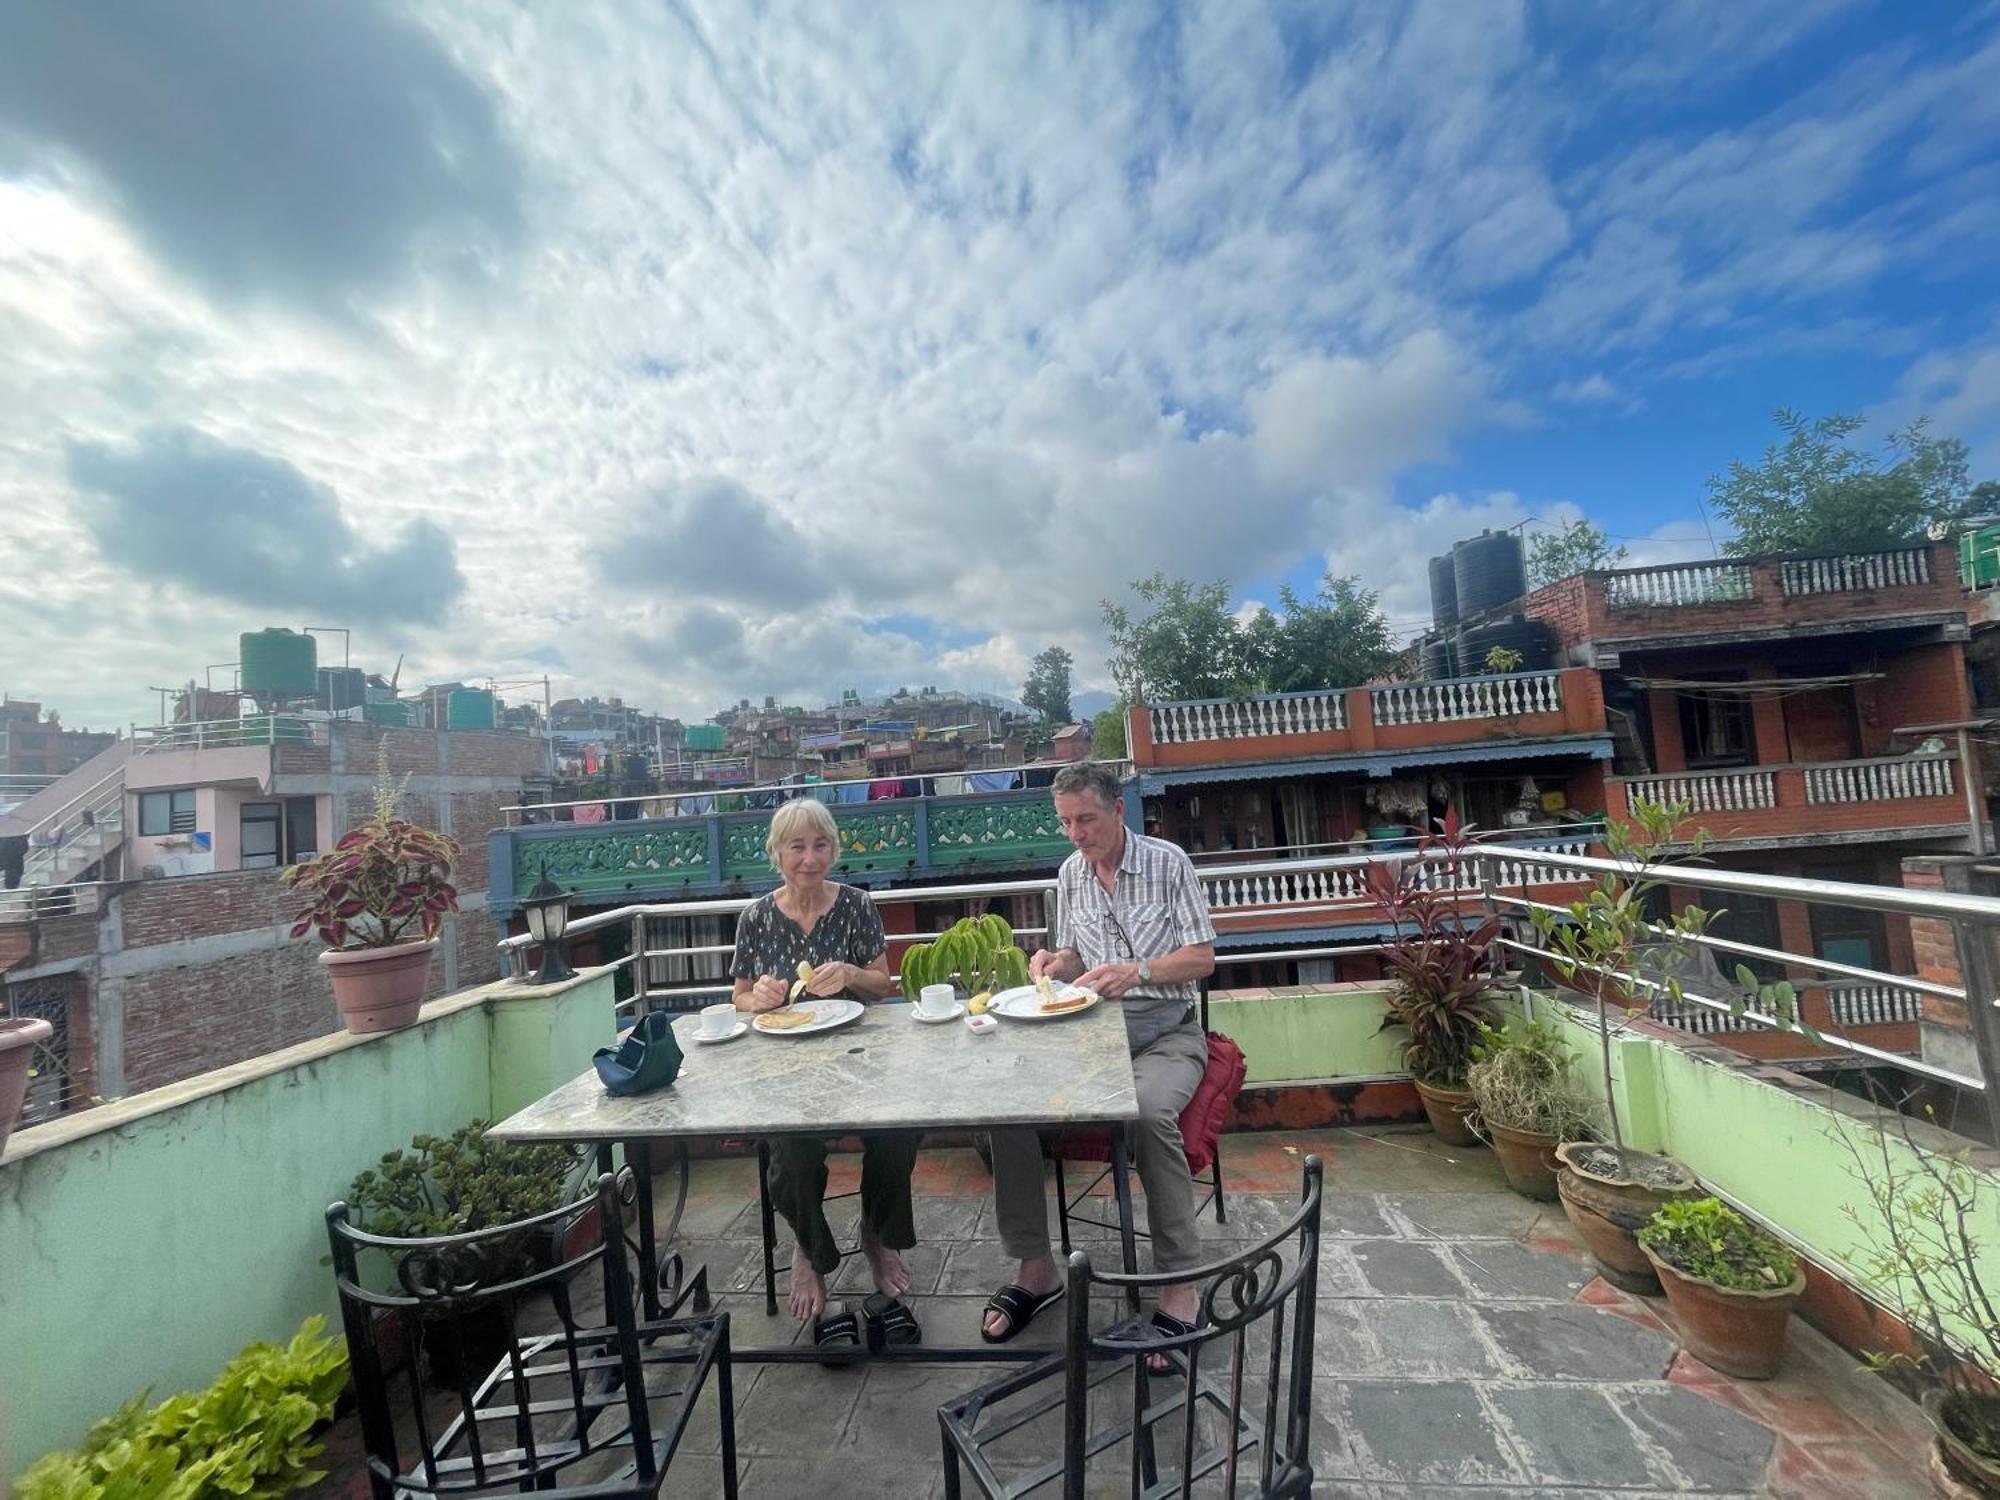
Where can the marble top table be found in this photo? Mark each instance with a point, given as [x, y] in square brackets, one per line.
[885, 1071]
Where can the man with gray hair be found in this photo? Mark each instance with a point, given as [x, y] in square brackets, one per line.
[1132, 924]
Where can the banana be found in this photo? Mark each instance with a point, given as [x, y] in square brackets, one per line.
[805, 973]
[978, 1003]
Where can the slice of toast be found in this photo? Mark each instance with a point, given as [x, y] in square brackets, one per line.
[785, 1020]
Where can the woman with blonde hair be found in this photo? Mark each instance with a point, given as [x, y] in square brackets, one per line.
[836, 929]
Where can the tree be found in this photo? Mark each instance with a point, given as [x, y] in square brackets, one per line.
[1576, 547]
[1046, 691]
[1338, 638]
[1813, 492]
[1107, 735]
[1183, 643]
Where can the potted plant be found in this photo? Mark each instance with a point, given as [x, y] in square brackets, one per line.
[377, 900]
[1438, 966]
[1921, 1254]
[466, 1181]
[19, 1037]
[1524, 1102]
[1607, 948]
[1731, 1286]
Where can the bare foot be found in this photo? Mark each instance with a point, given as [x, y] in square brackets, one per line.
[808, 1288]
[1038, 1276]
[892, 1277]
[1180, 1301]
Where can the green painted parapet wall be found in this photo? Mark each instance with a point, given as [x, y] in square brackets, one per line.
[651, 858]
[1308, 1033]
[146, 1241]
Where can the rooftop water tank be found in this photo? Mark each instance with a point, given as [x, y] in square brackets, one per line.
[704, 737]
[469, 708]
[278, 663]
[341, 688]
[1438, 657]
[1487, 572]
[1444, 592]
[1533, 639]
[390, 711]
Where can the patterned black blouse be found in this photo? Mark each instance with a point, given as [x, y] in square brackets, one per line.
[769, 942]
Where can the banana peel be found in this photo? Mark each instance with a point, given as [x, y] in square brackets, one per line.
[805, 973]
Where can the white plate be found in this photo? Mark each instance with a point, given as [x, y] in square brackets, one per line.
[828, 1014]
[694, 1033]
[957, 1010]
[1024, 1003]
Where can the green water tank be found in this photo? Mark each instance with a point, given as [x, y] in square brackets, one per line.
[394, 711]
[1979, 555]
[278, 663]
[705, 737]
[469, 708]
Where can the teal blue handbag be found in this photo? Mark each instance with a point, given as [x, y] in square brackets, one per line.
[646, 1058]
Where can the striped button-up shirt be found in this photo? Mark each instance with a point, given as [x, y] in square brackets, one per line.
[1157, 907]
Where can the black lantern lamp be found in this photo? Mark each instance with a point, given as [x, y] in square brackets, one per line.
[547, 910]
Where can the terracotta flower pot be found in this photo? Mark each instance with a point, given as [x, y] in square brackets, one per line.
[1956, 1468]
[18, 1040]
[1446, 1109]
[1740, 1333]
[1528, 1159]
[1607, 1208]
[379, 989]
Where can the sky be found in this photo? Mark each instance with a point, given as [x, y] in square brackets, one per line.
[692, 352]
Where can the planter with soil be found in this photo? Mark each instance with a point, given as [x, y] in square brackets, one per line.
[1731, 1287]
[1609, 1195]
[1966, 1427]
[18, 1039]
[1529, 1160]
[1447, 1108]
[379, 989]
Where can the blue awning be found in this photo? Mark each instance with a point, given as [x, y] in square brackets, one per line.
[1377, 762]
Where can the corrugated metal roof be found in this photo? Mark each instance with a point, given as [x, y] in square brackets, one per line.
[1376, 762]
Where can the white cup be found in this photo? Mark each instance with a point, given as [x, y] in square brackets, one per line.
[936, 999]
[717, 1020]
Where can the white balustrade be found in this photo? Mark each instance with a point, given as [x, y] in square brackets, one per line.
[1347, 881]
[1881, 780]
[1678, 586]
[1752, 789]
[1869, 1003]
[1452, 700]
[1856, 572]
[1191, 720]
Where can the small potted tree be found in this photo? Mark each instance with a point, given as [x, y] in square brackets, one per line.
[377, 900]
[1731, 1286]
[1610, 951]
[1438, 965]
[1525, 1102]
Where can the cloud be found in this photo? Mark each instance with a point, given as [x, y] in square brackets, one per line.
[309, 152]
[179, 510]
[1593, 389]
[713, 537]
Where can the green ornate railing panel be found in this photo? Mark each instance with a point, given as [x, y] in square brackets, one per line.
[989, 830]
[617, 857]
[877, 836]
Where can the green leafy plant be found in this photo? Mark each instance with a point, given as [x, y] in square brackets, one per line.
[1519, 1078]
[1438, 959]
[977, 954]
[1502, 659]
[381, 880]
[1708, 1239]
[458, 1183]
[1921, 1256]
[249, 1435]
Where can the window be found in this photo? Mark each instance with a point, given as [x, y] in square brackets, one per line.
[278, 833]
[1844, 934]
[166, 812]
[1748, 919]
[1716, 730]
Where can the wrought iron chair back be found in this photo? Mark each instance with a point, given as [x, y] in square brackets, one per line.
[458, 1306]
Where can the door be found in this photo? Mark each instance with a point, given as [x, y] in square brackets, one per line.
[262, 834]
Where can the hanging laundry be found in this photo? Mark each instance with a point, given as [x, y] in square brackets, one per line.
[994, 781]
[590, 812]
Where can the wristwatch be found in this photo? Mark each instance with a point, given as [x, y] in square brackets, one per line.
[1145, 971]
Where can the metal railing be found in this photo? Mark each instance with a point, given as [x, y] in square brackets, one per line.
[790, 790]
[212, 734]
[36, 903]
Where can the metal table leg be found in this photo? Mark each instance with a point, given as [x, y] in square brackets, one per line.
[1121, 1186]
[767, 1226]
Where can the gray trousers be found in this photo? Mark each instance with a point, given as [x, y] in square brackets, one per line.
[1166, 1073]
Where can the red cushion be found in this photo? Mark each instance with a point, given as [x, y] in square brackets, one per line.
[1201, 1122]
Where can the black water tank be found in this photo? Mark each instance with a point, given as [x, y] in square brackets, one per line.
[1444, 592]
[1487, 572]
[1438, 657]
[1534, 639]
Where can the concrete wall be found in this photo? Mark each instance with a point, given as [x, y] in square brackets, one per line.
[1304, 1033]
[144, 1243]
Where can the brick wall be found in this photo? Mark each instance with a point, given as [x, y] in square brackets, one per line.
[183, 1019]
[195, 906]
[494, 754]
[1934, 948]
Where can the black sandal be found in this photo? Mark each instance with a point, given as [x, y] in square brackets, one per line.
[1019, 1306]
[842, 1330]
[891, 1324]
[1161, 1361]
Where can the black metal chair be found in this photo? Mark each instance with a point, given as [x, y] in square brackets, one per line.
[576, 1400]
[1262, 1285]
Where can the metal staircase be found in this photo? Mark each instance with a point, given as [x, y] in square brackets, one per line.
[71, 827]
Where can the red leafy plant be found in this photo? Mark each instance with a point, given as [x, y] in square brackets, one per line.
[1438, 960]
[383, 879]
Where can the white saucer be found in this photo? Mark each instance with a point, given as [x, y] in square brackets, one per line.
[694, 1033]
[957, 1010]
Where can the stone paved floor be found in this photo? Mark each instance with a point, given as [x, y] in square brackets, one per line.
[1464, 1349]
